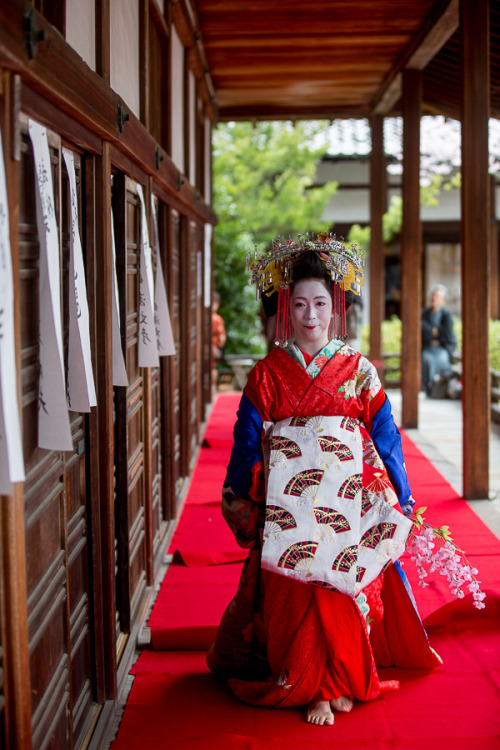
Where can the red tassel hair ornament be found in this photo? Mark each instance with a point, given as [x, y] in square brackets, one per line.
[339, 317]
[284, 332]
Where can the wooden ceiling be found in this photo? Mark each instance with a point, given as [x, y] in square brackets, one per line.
[333, 58]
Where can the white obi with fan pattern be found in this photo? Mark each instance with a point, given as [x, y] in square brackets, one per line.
[322, 526]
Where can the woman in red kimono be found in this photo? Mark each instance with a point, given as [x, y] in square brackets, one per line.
[316, 489]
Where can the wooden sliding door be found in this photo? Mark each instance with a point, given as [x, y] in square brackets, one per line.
[130, 499]
[58, 523]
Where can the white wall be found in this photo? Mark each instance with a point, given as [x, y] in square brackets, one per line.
[351, 203]
[124, 52]
[80, 29]
[192, 128]
[208, 162]
[177, 115]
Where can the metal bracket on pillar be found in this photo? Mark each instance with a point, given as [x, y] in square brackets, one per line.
[121, 117]
[180, 180]
[158, 156]
[32, 34]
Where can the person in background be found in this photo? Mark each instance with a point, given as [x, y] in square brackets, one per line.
[218, 335]
[438, 340]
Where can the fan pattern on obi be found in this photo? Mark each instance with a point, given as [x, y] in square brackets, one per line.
[322, 525]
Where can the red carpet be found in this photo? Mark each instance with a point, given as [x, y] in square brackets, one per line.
[176, 703]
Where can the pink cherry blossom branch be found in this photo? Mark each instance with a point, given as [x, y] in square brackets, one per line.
[445, 557]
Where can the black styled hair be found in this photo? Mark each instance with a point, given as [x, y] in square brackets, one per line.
[310, 266]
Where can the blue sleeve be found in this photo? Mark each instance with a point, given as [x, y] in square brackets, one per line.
[247, 450]
[387, 441]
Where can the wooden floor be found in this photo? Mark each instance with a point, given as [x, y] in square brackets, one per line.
[439, 436]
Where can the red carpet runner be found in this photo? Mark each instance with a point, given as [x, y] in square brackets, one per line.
[176, 702]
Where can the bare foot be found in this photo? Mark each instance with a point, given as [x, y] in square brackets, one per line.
[320, 713]
[343, 704]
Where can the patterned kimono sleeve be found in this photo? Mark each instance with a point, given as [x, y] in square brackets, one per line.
[387, 440]
[378, 419]
[369, 391]
[243, 486]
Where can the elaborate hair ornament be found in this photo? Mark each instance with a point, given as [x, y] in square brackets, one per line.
[274, 270]
[272, 273]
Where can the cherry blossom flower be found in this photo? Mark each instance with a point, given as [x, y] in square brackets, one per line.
[436, 550]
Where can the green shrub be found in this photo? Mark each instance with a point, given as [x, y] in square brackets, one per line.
[494, 341]
[391, 336]
[494, 334]
[391, 343]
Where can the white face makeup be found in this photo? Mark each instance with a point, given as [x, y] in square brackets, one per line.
[310, 314]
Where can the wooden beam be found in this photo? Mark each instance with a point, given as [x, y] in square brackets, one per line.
[475, 246]
[64, 85]
[378, 203]
[389, 95]
[290, 111]
[435, 36]
[411, 248]
[437, 28]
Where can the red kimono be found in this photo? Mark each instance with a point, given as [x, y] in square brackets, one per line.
[283, 642]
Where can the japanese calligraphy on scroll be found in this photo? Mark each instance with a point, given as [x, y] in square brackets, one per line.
[119, 369]
[81, 389]
[148, 347]
[54, 431]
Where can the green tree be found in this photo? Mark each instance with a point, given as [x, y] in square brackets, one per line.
[262, 179]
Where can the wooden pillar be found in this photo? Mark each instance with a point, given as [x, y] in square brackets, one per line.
[105, 408]
[93, 474]
[144, 31]
[147, 380]
[14, 617]
[378, 206]
[102, 39]
[474, 23]
[411, 249]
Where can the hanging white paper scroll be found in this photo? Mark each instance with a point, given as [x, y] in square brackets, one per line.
[164, 337]
[54, 430]
[11, 448]
[119, 369]
[81, 389]
[148, 348]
